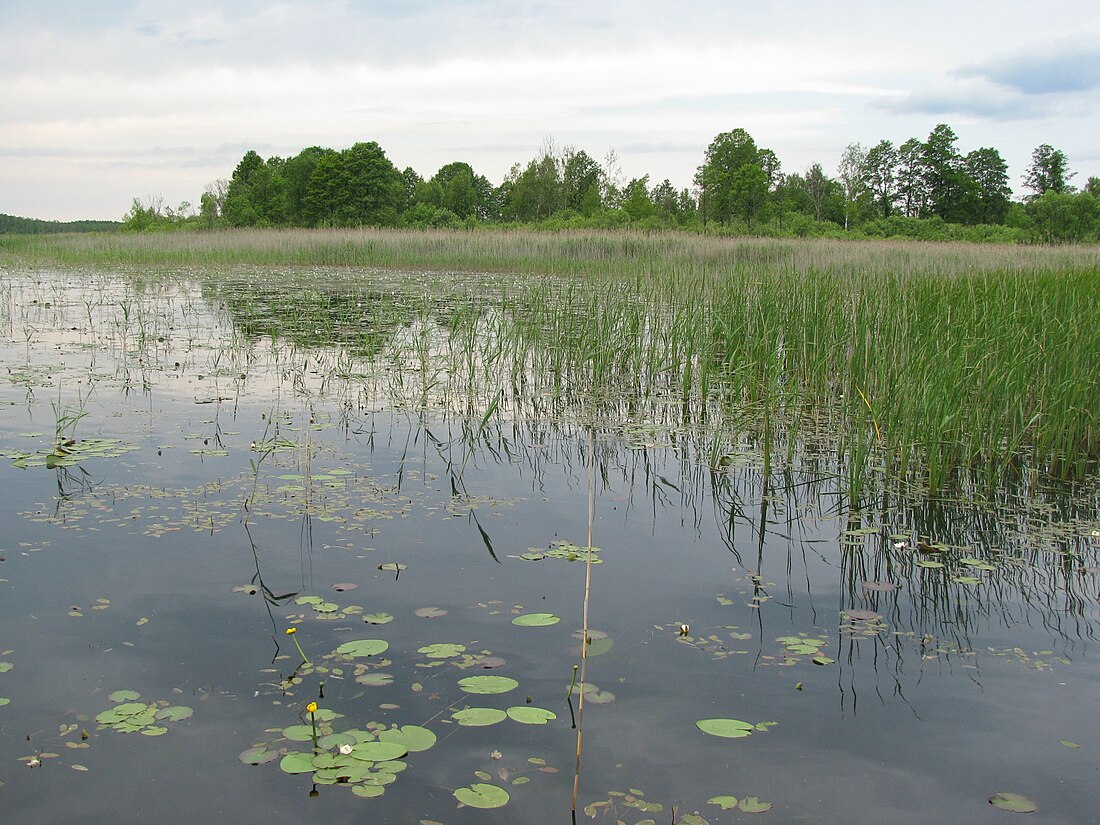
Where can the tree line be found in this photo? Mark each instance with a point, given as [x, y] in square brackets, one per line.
[919, 189]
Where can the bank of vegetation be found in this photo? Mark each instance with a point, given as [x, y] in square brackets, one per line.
[921, 189]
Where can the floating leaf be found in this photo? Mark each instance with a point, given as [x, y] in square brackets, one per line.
[259, 755]
[442, 651]
[596, 696]
[535, 620]
[880, 587]
[299, 733]
[154, 730]
[296, 763]
[530, 715]
[822, 659]
[393, 566]
[379, 751]
[1014, 802]
[430, 612]
[479, 717]
[966, 580]
[362, 648]
[124, 696]
[488, 684]
[727, 803]
[378, 618]
[342, 587]
[375, 679]
[864, 615]
[1069, 744]
[368, 791]
[931, 565]
[728, 728]
[482, 795]
[752, 805]
[418, 738]
[175, 713]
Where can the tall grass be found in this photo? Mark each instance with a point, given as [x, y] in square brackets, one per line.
[930, 362]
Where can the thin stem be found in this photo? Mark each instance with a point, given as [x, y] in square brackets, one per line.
[584, 628]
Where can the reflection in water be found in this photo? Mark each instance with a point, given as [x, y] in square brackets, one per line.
[326, 434]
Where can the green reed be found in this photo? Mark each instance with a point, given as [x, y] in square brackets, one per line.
[939, 363]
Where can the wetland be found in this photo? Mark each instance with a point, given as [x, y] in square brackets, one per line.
[320, 525]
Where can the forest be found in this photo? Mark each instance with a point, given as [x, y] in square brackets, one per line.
[925, 190]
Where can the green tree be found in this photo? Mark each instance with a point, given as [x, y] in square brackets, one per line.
[735, 178]
[912, 190]
[1048, 171]
[989, 172]
[851, 172]
[880, 176]
[356, 187]
[581, 182]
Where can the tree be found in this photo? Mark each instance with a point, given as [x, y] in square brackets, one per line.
[989, 172]
[853, 161]
[1048, 172]
[880, 176]
[636, 201]
[582, 181]
[735, 178]
[356, 187]
[912, 190]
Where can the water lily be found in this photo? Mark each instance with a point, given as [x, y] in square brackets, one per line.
[290, 631]
[346, 749]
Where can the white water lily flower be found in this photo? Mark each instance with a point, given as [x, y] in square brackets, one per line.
[346, 749]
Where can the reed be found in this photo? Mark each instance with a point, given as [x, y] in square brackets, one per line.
[941, 363]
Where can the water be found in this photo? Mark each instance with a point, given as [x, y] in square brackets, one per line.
[254, 472]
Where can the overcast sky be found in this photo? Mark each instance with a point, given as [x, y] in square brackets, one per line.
[104, 101]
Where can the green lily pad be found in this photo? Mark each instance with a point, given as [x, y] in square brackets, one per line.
[482, 795]
[479, 717]
[124, 696]
[153, 730]
[299, 733]
[752, 805]
[931, 565]
[379, 751]
[1017, 803]
[726, 803]
[442, 651]
[361, 648]
[259, 755]
[430, 612]
[966, 580]
[417, 738]
[375, 679]
[297, 763]
[378, 618]
[393, 566]
[488, 684]
[368, 791]
[728, 728]
[530, 715]
[535, 620]
[4, 701]
[175, 713]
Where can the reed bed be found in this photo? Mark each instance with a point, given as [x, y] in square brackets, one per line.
[933, 363]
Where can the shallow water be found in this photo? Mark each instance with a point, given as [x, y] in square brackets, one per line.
[255, 471]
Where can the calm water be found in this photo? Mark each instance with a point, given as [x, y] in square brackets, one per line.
[253, 471]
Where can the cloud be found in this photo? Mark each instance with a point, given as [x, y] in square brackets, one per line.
[968, 102]
[1070, 69]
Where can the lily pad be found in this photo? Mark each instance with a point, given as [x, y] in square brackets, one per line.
[393, 566]
[1017, 803]
[863, 615]
[430, 612]
[124, 696]
[726, 803]
[378, 618]
[488, 684]
[535, 620]
[361, 648]
[479, 717]
[368, 791]
[259, 755]
[727, 728]
[442, 650]
[482, 795]
[297, 762]
[375, 679]
[752, 805]
[379, 751]
[530, 715]
[299, 733]
[417, 738]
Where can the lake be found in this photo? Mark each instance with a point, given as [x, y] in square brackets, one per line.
[195, 462]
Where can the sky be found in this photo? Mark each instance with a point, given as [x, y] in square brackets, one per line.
[103, 102]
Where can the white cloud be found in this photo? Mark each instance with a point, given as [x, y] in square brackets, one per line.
[89, 96]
